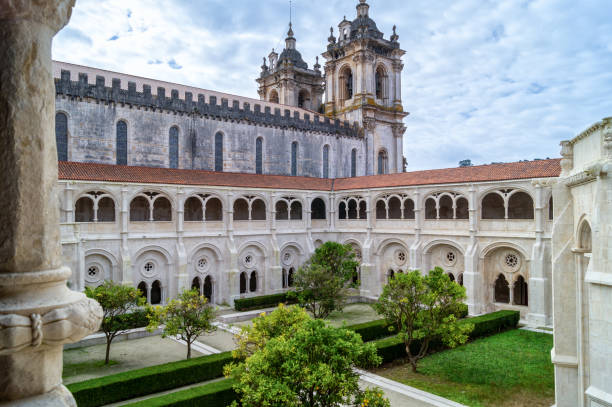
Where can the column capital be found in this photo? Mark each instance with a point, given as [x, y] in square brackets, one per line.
[54, 14]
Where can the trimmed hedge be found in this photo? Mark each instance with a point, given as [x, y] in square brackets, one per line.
[372, 330]
[154, 379]
[214, 394]
[393, 348]
[262, 301]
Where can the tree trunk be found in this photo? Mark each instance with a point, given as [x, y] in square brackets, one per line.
[188, 350]
[108, 345]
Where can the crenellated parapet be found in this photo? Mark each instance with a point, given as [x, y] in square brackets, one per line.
[203, 105]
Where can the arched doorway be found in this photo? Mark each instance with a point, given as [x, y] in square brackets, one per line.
[208, 288]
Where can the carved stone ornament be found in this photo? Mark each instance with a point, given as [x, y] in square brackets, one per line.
[57, 327]
[567, 162]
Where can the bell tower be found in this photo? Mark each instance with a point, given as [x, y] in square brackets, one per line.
[288, 81]
[363, 84]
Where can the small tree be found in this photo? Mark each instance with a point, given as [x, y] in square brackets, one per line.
[305, 364]
[424, 308]
[116, 300]
[188, 316]
[321, 285]
[282, 321]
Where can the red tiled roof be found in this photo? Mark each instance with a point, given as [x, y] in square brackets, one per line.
[69, 170]
[150, 175]
[478, 173]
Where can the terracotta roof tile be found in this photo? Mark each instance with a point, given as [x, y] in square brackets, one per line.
[150, 175]
[479, 173]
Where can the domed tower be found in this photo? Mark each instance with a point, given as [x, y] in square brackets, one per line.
[363, 84]
[287, 79]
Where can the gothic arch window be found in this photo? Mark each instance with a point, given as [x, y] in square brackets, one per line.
[445, 207]
[219, 152]
[381, 209]
[290, 277]
[326, 161]
[304, 99]
[502, 290]
[363, 214]
[395, 208]
[493, 206]
[208, 288]
[294, 157]
[460, 280]
[273, 97]
[282, 210]
[296, 211]
[408, 209]
[317, 209]
[243, 282]
[193, 210]
[61, 136]
[520, 206]
[121, 141]
[258, 210]
[142, 287]
[84, 210]
[383, 162]
[520, 291]
[342, 210]
[106, 209]
[451, 276]
[380, 79]
[284, 277]
[253, 282]
[241, 209]
[156, 292]
[550, 209]
[139, 209]
[462, 209]
[354, 162]
[214, 210]
[162, 210]
[259, 156]
[195, 285]
[352, 209]
[173, 147]
[430, 209]
[346, 81]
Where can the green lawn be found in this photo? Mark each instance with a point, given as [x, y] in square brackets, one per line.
[511, 369]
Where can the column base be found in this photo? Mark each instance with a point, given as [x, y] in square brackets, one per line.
[58, 397]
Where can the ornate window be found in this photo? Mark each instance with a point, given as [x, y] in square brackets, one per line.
[520, 206]
[259, 156]
[354, 162]
[294, 156]
[196, 285]
[122, 149]
[208, 288]
[243, 282]
[219, 152]
[349, 84]
[502, 291]
[253, 282]
[61, 136]
[84, 210]
[520, 291]
[95, 206]
[317, 209]
[173, 141]
[156, 292]
[493, 206]
[304, 99]
[383, 162]
[326, 161]
[550, 209]
[273, 96]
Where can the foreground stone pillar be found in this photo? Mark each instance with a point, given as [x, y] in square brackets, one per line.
[38, 313]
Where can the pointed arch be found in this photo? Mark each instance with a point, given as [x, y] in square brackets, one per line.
[121, 143]
[61, 136]
[173, 147]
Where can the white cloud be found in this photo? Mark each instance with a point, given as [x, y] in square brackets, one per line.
[492, 80]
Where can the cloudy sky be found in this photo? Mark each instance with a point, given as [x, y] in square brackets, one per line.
[488, 80]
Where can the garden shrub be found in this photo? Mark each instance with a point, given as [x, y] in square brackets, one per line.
[262, 301]
[393, 348]
[217, 394]
[154, 379]
[136, 319]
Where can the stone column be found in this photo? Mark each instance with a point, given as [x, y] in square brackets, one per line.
[38, 313]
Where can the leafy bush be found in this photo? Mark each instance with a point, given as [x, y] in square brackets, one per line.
[154, 379]
[262, 301]
[135, 319]
[393, 348]
[214, 394]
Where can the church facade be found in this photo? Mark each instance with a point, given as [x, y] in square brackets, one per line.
[196, 188]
